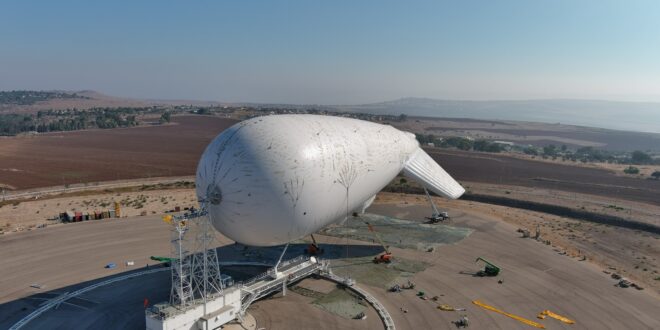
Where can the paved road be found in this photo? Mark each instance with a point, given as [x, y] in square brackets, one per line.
[59, 256]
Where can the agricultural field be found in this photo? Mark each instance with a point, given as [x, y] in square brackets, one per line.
[57, 159]
[508, 170]
[534, 133]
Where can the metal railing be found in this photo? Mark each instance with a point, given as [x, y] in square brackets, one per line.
[380, 309]
[283, 266]
[296, 268]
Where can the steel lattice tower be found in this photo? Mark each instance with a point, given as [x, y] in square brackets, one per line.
[195, 268]
[206, 277]
[181, 294]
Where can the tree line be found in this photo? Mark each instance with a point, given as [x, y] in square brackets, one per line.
[583, 154]
[460, 143]
[42, 122]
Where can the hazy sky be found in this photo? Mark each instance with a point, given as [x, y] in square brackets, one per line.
[334, 52]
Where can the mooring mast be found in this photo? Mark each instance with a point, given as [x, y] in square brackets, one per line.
[195, 268]
[181, 293]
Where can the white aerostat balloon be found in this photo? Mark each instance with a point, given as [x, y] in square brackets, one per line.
[271, 180]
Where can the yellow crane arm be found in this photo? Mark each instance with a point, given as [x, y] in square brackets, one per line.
[556, 317]
[515, 317]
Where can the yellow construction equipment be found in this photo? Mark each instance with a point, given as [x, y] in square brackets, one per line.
[515, 317]
[117, 210]
[170, 220]
[555, 316]
[446, 307]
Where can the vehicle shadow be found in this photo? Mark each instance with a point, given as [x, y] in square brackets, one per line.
[470, 273]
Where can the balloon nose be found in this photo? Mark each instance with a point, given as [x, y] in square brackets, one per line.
[213, 194]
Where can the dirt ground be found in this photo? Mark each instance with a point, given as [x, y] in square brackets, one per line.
[631, 253]
[534, 276]
[24, 216]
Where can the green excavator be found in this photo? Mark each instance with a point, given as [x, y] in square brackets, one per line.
[162, 259]
[489, 270]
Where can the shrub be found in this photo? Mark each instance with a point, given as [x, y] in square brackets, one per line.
[631, 170]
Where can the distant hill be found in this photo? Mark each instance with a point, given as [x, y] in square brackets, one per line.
[631, 116]
[627, 116]
[17, 98]
[33, 101]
